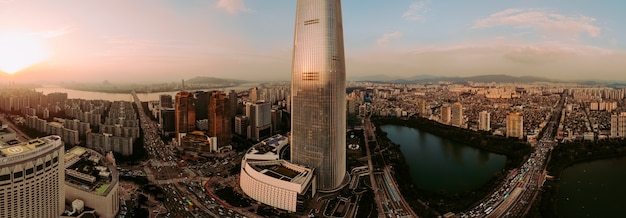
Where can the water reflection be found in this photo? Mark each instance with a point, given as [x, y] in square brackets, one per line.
[438, 164]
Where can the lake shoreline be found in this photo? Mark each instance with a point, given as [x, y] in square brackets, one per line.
[446, 202]
[567, 155]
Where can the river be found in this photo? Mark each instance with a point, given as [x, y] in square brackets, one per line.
[440, 165]
[593, 189]
[154, 96]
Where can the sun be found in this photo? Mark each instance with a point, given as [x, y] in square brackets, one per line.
[20, 51]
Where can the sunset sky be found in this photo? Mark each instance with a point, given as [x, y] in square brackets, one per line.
[165, 41]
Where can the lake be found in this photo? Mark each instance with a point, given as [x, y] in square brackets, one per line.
[440, 165]
[593, 189]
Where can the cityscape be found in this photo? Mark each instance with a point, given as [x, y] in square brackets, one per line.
[239, 108]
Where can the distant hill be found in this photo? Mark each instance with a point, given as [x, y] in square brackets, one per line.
[501, 78]
[213, 80]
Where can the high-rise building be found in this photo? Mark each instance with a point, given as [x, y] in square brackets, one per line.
[514, 125]
[185, 113]
[422, 107]
[201, 104]
[484, 121]
[445, 114]
[32, 175]
[618, 125]
[232, 102]
[260, 117]
[254, 95]
[166, 101]
[168, 121]
[241, 125]
[318, 86]
[219, 122]
[456, 118]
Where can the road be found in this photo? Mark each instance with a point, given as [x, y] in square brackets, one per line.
[519, 190]
[19, 135]
[388, 198]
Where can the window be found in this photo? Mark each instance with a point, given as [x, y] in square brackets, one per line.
[309, 22]
[5, 177]
[18, 174]
[29, 171]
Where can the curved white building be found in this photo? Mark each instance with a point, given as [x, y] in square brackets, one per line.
[272, 181]
[97, 192]
[31, 178]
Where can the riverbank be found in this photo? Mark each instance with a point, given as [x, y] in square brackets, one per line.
[566, 155]
[441, 202]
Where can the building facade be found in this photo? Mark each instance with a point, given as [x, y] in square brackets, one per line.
[618, 125]
[456, 117]
[185, 113]
[446, 114]
[318, 88]
[271, 180]
[484, 121]
[31, 178]
[515, 125]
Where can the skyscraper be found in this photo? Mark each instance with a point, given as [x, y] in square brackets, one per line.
[318, 84]
[185, 113]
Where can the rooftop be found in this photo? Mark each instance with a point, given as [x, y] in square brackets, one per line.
[283, 170]
[268, 147]
[25, 147]
[87, 170]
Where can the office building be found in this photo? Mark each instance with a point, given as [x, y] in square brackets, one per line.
[201, 104]
[31, 178]
[185, 113]
[241, 125]
[166, 101]
[318, 87]
[514, 125]
[484, 121]
[260, 120]
[168, 121]
[219, 123]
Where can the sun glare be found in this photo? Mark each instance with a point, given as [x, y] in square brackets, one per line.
[20, 51]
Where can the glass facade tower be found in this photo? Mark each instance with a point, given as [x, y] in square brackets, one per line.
[318, 84]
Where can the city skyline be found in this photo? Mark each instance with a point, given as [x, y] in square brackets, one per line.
[167, 41]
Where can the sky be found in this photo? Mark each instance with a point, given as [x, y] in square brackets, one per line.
[144, 41]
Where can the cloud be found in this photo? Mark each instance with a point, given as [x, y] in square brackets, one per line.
[541, 20]
[52, 33]
[388, 37]
[232, 6]
[416, 10]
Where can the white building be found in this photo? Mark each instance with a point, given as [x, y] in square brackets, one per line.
[618, 125]
[273, 181]
[31, 178]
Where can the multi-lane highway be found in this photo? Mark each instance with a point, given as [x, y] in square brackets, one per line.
[515, 197]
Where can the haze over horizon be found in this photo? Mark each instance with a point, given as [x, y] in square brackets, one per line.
[160, 41]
